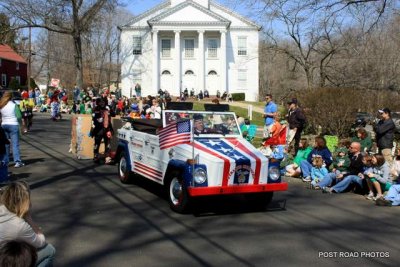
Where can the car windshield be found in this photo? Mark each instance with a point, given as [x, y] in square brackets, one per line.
[207, 123]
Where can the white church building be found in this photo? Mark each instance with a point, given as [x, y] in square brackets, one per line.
[193, 44]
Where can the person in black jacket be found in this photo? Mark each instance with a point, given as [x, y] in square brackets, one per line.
[297, 121]
[384, 130]
[101, 128]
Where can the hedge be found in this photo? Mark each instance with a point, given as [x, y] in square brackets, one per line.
[238, 96]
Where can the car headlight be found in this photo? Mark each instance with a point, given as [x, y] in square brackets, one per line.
[274, 173]
[200, 176]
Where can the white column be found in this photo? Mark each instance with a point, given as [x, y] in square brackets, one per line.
[156, 63]
[201, 60]
[223, 46]
[178, 62]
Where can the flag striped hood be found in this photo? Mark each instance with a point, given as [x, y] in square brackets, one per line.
[231, 161]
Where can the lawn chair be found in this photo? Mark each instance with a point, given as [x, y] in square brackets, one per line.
[251, 132]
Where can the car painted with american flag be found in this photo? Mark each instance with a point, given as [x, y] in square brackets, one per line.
[196, 153]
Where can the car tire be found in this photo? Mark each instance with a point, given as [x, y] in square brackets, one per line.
[124, 173]
[260, 200]
[177, 194]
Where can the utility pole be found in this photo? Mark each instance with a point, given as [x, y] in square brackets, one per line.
[29, 58]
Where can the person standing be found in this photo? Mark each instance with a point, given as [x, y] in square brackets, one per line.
[138, 90]
[269, 114]
[26, 108]
[296, 120]
[101, 128]
[384, 130]
[10, 124]
[77, 93]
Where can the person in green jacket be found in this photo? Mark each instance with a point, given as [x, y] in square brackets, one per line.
[364, 139]
[293, 170]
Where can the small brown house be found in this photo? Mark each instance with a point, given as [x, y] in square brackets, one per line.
[12, 66]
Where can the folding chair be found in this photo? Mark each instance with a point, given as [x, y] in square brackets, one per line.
[251, 132]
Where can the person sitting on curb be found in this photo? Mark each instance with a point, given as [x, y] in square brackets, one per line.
[379, 178]
[351, 179]
[392, 197]
[320, 149]
[355, 167]
[16, 222]
[293, 170]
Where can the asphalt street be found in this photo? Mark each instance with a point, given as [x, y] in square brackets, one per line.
[94, 220]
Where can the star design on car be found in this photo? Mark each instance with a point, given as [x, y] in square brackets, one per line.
[213, 143]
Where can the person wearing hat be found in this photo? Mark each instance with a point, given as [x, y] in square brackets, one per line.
[384, 130]
[198, 124]
[297, 121]
[199, 127]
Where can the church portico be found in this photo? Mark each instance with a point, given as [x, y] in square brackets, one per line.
[188, 55]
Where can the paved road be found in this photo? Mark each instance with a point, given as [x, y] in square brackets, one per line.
[94, 220]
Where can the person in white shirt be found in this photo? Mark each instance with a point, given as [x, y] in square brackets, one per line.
[10, 124]
[16, 222]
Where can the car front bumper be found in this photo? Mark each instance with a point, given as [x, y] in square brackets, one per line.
[236, 189]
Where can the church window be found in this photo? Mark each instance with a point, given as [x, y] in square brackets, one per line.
[242, 45]
[189, 72]
[212, 48]
[189, 48]
[166, 47]
[137, 45]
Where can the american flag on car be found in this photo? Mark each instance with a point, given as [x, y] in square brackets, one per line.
[175, 134]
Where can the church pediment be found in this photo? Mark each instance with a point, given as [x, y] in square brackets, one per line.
[188, 12]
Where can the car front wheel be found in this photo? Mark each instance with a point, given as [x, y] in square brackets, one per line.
[123, 172]
[178, 197]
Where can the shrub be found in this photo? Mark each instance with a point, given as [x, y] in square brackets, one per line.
[238, 96]
[333, 109]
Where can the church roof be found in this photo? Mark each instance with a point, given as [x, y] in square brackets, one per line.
[162, 12]
[217, 18]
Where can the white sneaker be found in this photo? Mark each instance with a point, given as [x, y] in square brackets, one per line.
[19, 164]
[370, 196]
[307, 179]
[378, 197]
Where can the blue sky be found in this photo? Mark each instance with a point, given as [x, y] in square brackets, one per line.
[139, 6]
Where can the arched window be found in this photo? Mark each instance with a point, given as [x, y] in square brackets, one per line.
[189, 72]
[166, 72]
[212, 72]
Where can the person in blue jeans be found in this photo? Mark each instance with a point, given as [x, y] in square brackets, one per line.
[320, 150]
[10, 125]
[392, 197]
[357, 163]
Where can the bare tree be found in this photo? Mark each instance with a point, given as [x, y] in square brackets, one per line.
[70, 17]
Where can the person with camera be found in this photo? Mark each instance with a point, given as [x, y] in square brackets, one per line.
[384, 130]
